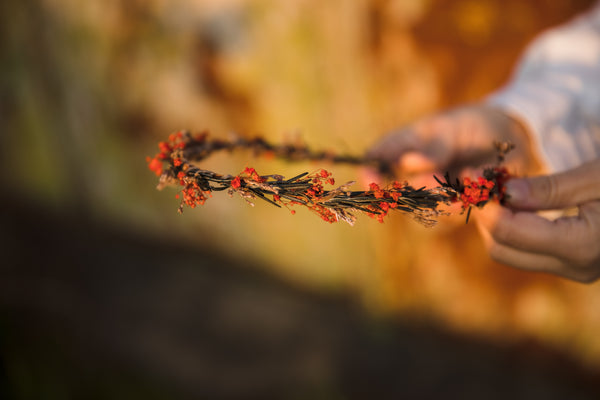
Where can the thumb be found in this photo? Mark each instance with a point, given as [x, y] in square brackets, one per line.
[566, 189]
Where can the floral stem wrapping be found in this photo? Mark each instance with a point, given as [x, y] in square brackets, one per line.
[316, 191]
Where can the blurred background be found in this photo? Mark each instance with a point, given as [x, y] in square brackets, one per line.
[106, 292]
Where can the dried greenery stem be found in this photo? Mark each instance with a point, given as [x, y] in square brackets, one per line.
[175, 165]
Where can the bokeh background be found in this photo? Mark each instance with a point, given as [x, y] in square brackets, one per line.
[106, 292]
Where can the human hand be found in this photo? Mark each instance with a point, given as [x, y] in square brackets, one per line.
[454, 140]
[568, 246]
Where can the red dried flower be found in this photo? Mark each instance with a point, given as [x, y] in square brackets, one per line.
[252, 174]
[156, 166]
[165, 148]
[236, 182]
[397, 185]
[476, 193]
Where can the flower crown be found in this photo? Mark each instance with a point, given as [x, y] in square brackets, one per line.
[173, 164]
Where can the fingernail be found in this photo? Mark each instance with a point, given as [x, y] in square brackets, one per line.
[517, 191]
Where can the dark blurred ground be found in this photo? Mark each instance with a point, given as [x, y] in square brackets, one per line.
[106, 293]
[91, 311]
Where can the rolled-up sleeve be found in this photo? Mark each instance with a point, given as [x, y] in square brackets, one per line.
[556, 92]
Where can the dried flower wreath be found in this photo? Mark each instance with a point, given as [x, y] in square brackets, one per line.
[173, 164]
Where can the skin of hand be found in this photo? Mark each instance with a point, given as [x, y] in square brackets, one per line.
[453, 140]
[516, 236]
[568, 246]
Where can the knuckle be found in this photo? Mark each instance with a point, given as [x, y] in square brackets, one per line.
[586, 253]
[547, 189]
[586, 262]
[588, 276]
[585, 258]
[500, 232]
[581, 253]
[495, 251]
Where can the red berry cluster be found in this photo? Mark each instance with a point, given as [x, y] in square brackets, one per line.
[475, 193]
[193, 195]
[247, 176]
[171, 151]
[380, 210]
[166, 149]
